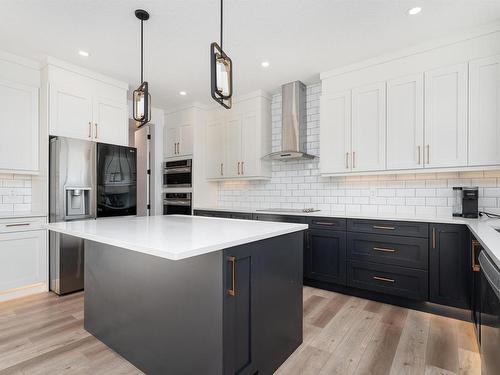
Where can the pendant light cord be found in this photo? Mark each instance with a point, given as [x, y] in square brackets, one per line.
[142, 52]
[221, 21]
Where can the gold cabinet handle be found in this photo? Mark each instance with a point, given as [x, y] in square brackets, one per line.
[346, 160]
[353, 159]
[178, 148]
[239, 168]
[384, 250]
[17, 225]
[419, 156]
[433, 238]
[242, 167]
[382, 227]
[475, 246]
[90, 129]
[95, 130]
[428, 154]
[222, 169]
[232, 291]
[329, 223]
[383, 279]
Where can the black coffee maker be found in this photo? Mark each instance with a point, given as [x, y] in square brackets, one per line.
[470, 202]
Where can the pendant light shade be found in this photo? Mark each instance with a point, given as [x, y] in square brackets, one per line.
[221, 69]
[142, 98]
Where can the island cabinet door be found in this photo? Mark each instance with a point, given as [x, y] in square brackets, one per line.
[325, 256]
[449, 265]
[239, 310]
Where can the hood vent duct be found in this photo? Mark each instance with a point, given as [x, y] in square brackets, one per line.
[294, 124]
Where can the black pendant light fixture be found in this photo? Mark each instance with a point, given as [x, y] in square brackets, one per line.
[221, 71]
[142, 98]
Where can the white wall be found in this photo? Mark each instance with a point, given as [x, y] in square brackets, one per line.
[297, 184]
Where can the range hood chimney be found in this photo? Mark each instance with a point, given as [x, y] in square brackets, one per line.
[294, 124]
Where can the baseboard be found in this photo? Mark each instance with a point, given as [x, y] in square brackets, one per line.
[24, 291]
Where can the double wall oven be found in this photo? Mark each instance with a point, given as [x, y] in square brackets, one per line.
[177, 181]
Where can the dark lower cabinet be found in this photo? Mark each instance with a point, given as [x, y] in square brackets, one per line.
[262, 307]
[449, 265]
[325, 256]
[388, 279]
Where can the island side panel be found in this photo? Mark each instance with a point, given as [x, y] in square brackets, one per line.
[163, 316]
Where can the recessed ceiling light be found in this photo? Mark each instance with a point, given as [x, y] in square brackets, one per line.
[415, 10]
[83, 53]
[264, 64]
[182, 93]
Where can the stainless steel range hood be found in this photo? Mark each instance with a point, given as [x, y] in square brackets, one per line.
[294, 123]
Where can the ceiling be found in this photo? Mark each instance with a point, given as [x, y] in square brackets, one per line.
[299, 38]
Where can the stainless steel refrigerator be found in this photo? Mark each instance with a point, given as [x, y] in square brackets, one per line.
[88, 180]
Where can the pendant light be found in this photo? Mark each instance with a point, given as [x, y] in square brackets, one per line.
[221, 71]
[142, 98]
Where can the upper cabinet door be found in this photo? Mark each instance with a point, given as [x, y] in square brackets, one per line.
[172, 138]
[335, 140]
[233, 147]
[250, 158]
[405, 122]
[19, 139]
[110, 121]
[484, 116]
[185, 146]
[71, 109]
[216, 151]
[446, 117]
[368, 128]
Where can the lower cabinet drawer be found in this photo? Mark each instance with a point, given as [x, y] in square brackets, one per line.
[398, 281]
[401, 251]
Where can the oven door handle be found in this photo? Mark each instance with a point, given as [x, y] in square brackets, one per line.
[177, 170]
[176, 202]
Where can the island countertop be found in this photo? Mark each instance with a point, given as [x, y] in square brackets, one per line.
[174, 237]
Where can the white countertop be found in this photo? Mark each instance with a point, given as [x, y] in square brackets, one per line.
[174, 237]
[483, 229]
[20, 214]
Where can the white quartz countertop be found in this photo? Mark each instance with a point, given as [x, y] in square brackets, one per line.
[174, 237]
[20, 214]
[484, 229]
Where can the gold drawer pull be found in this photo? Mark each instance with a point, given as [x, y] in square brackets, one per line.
[324, 223]
[17, 225]
[383, 279]
[475, 246]
[232, 290]
[383, 227]
[384, 250]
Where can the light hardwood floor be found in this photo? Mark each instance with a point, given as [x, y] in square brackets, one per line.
[43, 334]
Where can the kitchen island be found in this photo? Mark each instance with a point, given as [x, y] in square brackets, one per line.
[193, 295]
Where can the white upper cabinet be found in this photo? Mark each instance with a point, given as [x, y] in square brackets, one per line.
[70, 107]
[109, 116]
[178, 141]
[368, 128]
[405, 122]
[237, 139]
[19, 126]
[335, 140]
[446, 117]
[216, 152]
[86, 107]
[484, 115]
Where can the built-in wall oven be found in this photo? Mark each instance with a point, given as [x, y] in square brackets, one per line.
[177, 204]
[177, 174]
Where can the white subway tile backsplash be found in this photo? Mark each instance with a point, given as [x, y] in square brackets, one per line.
[297, 184]
[15, 192]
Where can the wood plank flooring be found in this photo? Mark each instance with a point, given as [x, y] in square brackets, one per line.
[44, 334]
